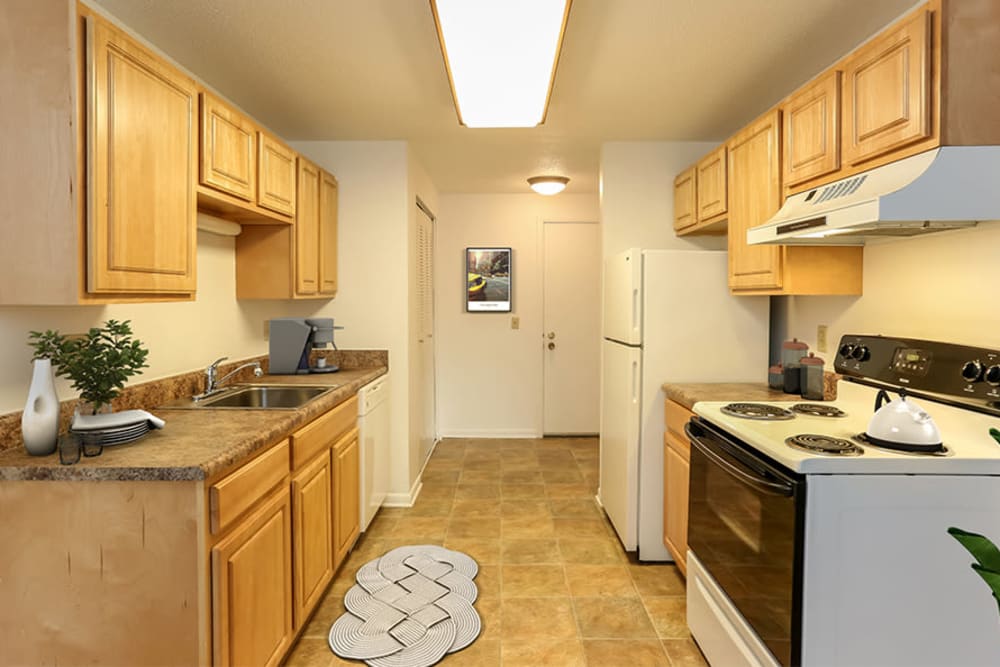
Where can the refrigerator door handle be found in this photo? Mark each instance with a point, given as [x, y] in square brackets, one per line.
[635, 309]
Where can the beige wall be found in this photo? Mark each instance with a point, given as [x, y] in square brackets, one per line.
[180, 336]
[490, 376]
[372, 302]
[938, 287]
[637, 195]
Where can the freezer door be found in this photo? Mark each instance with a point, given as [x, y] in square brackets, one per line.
[623, 297]
[620, 394]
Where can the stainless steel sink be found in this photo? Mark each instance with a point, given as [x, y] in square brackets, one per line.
[258, 397]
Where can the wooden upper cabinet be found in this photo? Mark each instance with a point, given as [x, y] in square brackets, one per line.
[754, 196]
[276, 171]
[307, 229]
[142, 170]
[327, 234]
[685, 187]
[711, 193]
[887, 91]
[812, 130]
[228, 150]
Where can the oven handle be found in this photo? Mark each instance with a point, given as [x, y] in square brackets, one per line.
[740, 472]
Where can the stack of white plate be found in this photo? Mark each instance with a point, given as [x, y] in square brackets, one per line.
[116, 428]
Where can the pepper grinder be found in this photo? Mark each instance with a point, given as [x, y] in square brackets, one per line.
[792, 352]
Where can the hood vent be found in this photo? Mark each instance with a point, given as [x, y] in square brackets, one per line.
[944, 188]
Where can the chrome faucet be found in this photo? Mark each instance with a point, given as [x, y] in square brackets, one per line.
[212, 382]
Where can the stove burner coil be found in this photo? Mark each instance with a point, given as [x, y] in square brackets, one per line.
[817, 410]
[824, 444]
[756, 411]
[908, 450]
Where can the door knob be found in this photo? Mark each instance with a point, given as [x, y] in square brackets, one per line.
[552, 334]
[552, 346]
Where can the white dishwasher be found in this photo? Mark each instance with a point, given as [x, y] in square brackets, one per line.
[373, 432]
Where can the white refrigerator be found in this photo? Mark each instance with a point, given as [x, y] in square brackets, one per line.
[668, 317]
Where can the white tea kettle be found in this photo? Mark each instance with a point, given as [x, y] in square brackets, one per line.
[902, 424]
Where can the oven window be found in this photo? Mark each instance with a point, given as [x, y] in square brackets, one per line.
[745, 536]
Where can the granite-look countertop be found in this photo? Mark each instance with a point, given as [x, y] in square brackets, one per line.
[196, 443]
[689, 393]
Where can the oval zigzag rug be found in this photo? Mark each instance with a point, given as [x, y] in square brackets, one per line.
[410, 608]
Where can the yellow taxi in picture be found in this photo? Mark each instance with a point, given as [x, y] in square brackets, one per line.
[477, 287]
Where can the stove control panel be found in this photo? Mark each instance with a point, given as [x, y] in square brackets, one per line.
[968, 374]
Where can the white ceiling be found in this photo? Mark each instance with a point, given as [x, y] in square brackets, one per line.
[630, 70]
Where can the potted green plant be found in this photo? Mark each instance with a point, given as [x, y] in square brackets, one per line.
[98, 363]
[987, 557]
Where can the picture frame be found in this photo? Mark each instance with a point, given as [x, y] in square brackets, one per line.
[489, 281]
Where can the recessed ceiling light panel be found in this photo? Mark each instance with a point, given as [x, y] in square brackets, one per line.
[501, 57]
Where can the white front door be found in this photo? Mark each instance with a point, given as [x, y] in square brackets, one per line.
[572, 327]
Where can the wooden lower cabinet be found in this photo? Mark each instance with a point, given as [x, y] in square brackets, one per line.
[252, 588]
[312, 528]
[676, 469]
[347, 495]
[676, 473]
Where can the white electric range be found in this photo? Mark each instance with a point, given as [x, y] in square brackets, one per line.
[798, 557]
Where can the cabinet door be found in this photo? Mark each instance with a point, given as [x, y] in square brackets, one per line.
[684, 200]
[754, 196]
[812, 130]
[307, 229]
[275, 175]
[347, 495]
[327, 234]
[252, 588]
[228, 150]
[141, 168]
[887, 98]
[675, 500]
[311, 531]
[711, 191]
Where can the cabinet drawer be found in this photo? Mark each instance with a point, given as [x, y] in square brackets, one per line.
[321, 432]
[676, 417]
[235, 494]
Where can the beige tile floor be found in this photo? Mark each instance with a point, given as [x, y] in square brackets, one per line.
[555, 586]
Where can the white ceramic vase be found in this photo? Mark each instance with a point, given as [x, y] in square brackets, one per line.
[40, 420]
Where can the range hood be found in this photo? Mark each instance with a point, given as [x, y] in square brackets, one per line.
[944, 188]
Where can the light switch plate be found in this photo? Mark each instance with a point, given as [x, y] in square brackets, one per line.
[515, 322]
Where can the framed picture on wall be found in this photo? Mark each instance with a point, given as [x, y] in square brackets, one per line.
[489, 280]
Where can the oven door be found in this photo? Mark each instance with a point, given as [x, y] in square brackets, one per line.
[745, 525]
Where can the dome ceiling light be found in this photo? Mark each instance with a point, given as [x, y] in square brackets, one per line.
[501, 57]
[548, 185]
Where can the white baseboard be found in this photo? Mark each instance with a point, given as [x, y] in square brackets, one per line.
[491, 433]
[404, 499]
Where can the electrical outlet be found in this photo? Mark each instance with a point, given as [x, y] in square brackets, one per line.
[515, 322]
[821, 338]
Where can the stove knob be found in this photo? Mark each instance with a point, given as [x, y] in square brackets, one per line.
[992, 375]
[846, 349]
[972, 370]
[860, 353]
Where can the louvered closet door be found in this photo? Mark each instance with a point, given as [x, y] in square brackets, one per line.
[424, 281]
